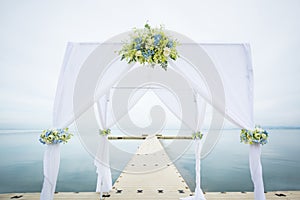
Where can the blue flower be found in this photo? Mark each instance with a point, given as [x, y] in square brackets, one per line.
[170, 44]
[145, 54]
[41, 141]
[55, 136]
[138, 47]
[150, 52]
[138, 40]
[48, 133]
[157, 39]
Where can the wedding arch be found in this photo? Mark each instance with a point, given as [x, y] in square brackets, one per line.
[218, 74]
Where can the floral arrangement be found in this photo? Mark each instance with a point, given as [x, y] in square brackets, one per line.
[150, 45]
[55, 136]
[105, 132]
[197, 135]
[258, 136]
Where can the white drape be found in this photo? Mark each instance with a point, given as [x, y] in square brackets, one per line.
[198, 191]
[51, 167]
[201, 107]
[230, 63]
[173, 104]
[229, 74]
[76, 71]
[104, 180]
[113, 117]
[256, 171]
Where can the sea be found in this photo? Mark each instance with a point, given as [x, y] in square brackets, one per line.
[225, 169]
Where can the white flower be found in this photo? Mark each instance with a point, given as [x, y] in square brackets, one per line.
[150, 41]
[138, 53]
[167, 51]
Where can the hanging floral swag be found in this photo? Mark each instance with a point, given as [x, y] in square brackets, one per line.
[150, 45]
[257, 136]
[104, 132]
[55, 136]
[197, 135]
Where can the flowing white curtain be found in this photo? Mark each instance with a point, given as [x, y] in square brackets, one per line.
[256, 171]
[201, 108]
[113, 115]
[198, 191]
[104, 180]
[79, 78]
[51, 167]
[232, 62]
[107, 120]
[228, 64]
[172, 103]
[222, 75]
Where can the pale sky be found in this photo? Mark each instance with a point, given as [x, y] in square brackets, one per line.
[34, 35]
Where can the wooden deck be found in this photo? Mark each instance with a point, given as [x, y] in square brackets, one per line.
[289, 195]
[150, 174]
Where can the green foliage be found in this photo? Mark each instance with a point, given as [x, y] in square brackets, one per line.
[151, 46]
[257, 136]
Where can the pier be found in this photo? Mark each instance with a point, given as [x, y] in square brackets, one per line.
[150, 174]
[278, 195]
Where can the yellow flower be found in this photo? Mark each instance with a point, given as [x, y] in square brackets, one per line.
[50, 138]
[138, 53]
[257, 136]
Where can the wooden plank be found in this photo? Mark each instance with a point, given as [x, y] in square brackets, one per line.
[150, 174]
[161, 137]
[126, 137]
[276, 195]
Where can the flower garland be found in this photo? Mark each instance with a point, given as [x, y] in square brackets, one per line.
[150, 45]
[258, 136]
[55, 136]
[197, 135]
[104, 132]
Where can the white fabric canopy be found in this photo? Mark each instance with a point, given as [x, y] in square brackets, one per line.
[232, 61]
[220, 74]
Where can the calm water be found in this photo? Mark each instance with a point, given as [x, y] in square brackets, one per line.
[225, 169]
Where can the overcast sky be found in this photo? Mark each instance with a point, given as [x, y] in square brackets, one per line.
[34, 34]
